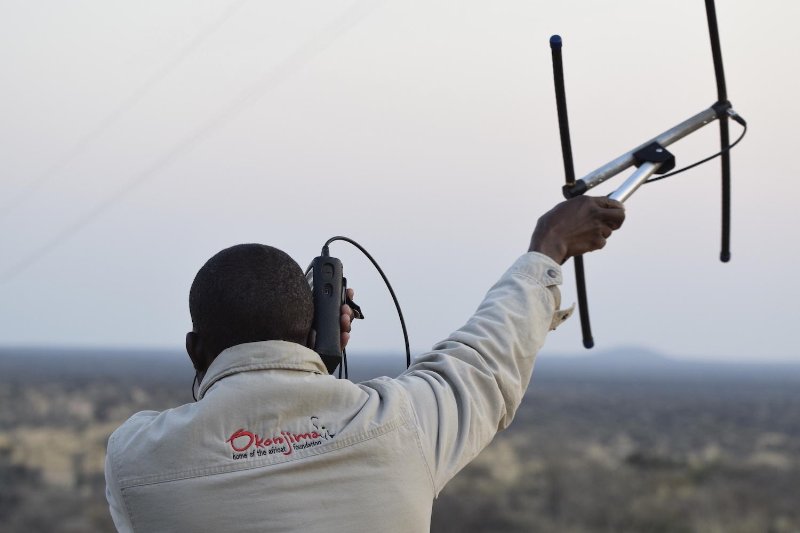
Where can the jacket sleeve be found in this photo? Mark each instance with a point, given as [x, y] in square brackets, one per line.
[114, 496]
[470, 385]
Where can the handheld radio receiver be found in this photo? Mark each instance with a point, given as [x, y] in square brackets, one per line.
[325, 274]
[329, 291]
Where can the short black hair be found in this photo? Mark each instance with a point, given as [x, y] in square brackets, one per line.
[250, 293]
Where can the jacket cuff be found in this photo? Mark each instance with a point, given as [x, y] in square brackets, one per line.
[545, 271]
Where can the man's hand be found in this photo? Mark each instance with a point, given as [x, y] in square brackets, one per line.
[576, 226]
[346, 319]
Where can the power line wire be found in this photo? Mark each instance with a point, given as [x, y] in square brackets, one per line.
[296, 60]
[127, 103]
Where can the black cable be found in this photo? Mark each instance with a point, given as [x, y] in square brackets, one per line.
[388, 286]
[706, 160]
[194, 382]
[344, 365]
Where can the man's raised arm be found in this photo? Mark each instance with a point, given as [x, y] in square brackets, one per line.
[470, 385]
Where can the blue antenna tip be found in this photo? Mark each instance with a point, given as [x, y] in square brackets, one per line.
[555, 41]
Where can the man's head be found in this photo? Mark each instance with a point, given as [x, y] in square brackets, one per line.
[247, 293]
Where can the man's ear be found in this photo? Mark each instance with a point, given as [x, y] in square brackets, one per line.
[311, 339]
[195, 352]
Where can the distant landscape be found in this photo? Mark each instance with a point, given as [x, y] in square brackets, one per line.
[628, 441]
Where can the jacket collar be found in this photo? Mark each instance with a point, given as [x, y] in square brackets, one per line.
[265, 355]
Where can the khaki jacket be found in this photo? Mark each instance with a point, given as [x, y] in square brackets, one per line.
[276, 444]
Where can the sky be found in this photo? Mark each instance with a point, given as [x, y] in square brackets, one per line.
[139, 138]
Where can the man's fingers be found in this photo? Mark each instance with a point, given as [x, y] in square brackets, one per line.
[608, 216]
[344, 335]
[346, 321]
[605, 201]
[614, 218]
[612, 212]
[577, 226]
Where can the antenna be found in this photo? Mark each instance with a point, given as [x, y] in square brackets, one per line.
[651, 157]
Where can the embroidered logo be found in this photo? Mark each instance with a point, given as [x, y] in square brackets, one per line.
[324, 432]
[246, 444]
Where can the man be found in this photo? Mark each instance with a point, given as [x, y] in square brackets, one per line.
[276, 444]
